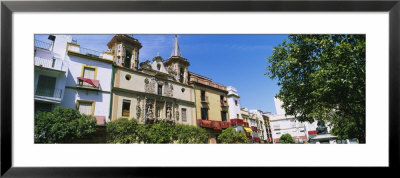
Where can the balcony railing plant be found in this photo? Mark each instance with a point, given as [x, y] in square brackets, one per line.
[54, 63]
[43, 45]
[49, 92]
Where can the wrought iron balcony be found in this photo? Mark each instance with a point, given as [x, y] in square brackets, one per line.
[48, 94]
[43, 45]
[54, 63]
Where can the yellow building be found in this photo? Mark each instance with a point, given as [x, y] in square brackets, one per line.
[211, 105]
[245, 115]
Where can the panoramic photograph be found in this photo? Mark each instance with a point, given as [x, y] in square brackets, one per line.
[199, 88]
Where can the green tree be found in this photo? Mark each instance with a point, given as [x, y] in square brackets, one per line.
[161, 132]
[63, 125]
[230, 135]
[190, 134]
[322, 77]
[286, 138]
[123, 130]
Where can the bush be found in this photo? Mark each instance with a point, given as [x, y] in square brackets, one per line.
[190, 134]
[63, 125]
[122, 130]
[286, 138]
[230, 135]
[161, 132]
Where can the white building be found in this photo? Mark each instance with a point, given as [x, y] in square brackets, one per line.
[282, 124]
[258, 126]
[234, 109]
[89, 77]
[50, 74]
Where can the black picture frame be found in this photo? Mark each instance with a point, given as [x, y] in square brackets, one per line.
[8, 7]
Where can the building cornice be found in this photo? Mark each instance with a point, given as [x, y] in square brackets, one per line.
[90, 57]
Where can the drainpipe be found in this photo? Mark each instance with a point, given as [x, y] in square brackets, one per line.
[111, 91]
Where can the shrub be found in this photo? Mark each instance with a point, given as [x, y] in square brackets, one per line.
[190, 134]
[63, 125]
[161, 132]
[230, 135]
[123, 130]
[286, 138]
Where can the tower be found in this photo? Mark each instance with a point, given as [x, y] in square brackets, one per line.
[178, 64]
[125, 50]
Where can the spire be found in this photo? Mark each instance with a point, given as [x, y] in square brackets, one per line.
[176, 51]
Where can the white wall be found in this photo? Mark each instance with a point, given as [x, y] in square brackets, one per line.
[101, 99]
[234, 109]
[104, 71]
[60, 45]
[278, 107]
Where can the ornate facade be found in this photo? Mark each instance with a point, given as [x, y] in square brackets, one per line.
[157, 90]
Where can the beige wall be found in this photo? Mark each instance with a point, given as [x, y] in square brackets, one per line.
[214, 105]
[120, 96]
[137, 83]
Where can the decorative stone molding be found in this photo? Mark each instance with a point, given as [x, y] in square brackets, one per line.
[150, 85]
[138, 109]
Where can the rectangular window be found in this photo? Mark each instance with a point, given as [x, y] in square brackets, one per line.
[85, 107]
[181, 73]
[184, 114]
[126, 106]
[88, 72]
[127, 62]
[236, 102]
[237, 116]
[223, 116]
[203, 95]
[204, 113]
[159, 89]
[46, 86]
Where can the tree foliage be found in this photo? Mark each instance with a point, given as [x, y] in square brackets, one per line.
[63, 125]
[125, 130]
[190, 134]
[230, 135]
[286, 138]
[322, 77]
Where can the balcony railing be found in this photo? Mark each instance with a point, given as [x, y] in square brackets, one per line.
[216, 125]
[236, 122]
[43, 45]
[245, 124]
[253, 128]
[54, 63]
[75, 48]
[49, 92]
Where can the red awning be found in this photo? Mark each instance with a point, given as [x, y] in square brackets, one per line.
[92, 82]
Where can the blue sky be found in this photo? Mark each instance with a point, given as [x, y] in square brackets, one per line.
[231, 60]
